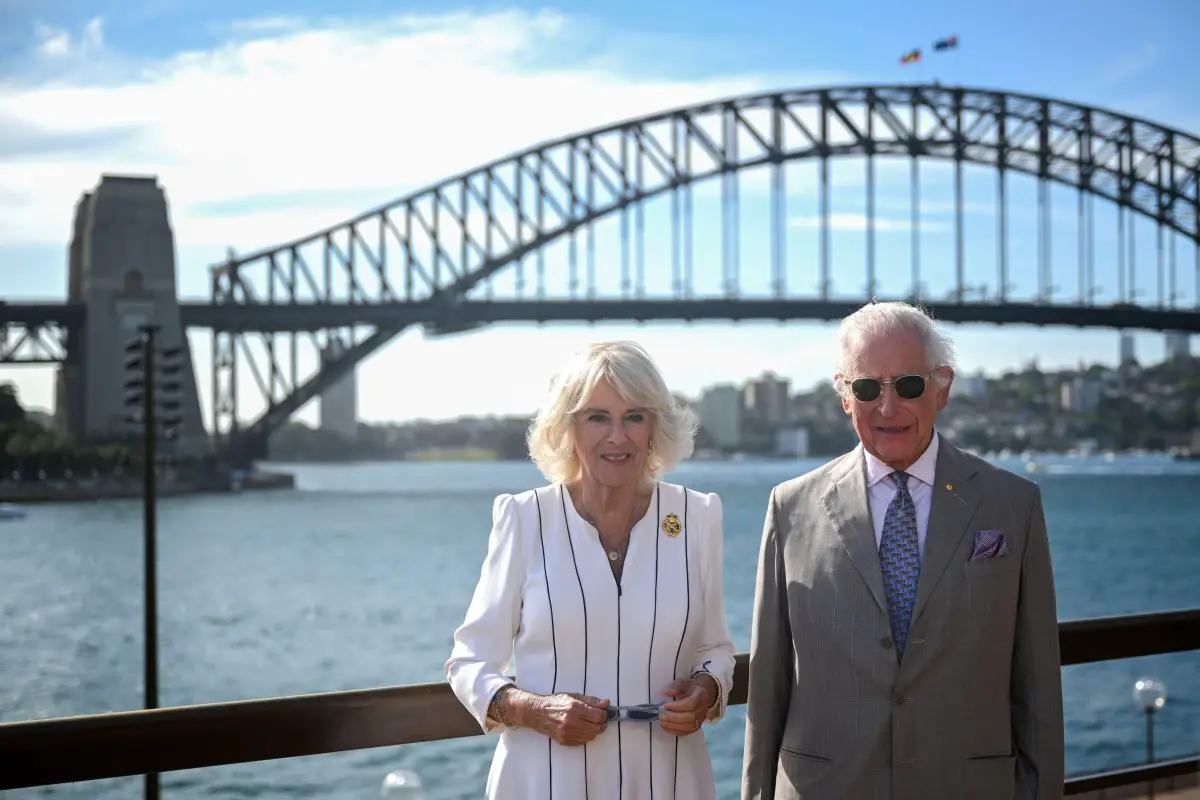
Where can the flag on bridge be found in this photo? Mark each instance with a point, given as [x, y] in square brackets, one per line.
[949, 43]
[911, 57]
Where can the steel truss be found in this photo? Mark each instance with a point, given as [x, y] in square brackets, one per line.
[446, 243]
[43, 343]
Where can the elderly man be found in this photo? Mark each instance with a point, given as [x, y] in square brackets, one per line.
[905, 635]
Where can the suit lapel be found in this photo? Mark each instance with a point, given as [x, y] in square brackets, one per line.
[847, 506]
[955, 498]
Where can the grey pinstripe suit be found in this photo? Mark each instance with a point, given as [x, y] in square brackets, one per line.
[974, 712]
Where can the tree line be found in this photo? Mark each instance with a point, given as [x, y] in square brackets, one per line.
[30, 451]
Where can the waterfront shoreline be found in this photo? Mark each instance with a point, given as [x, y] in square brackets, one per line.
[42, 494]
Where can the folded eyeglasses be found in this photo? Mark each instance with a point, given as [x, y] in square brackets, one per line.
[640, 713]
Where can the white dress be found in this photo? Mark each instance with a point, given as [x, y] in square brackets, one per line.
[547, 596]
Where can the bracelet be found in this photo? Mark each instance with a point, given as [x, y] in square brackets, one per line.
[716, 703]
[496, 710]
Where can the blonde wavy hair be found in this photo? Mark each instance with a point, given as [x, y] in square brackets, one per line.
[634, 376]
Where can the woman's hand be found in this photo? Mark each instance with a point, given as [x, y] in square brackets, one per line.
[688, 708]
[569, 718]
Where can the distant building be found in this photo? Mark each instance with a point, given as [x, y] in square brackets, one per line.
[792, 442]
[765, 399]
[1178, 345]
[971, 385]
[721, 415]
[339, 403]
[1081, 395]
[1127, 351]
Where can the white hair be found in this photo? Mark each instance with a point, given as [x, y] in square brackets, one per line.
[878, 320]
[635, 377]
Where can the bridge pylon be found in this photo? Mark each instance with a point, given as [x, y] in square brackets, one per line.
[121, 265]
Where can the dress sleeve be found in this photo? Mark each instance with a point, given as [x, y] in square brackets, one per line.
[483, 643]
[715, 653]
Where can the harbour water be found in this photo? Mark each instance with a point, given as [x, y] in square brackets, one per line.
[358, 577]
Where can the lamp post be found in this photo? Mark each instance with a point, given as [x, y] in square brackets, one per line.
[170, 364]
[1150, 695]
[146, 377]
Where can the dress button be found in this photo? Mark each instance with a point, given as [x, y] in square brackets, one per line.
[886, 642]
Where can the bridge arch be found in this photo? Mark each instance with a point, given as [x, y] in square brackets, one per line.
[436, 245]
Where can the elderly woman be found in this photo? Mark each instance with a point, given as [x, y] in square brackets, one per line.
[606, 587]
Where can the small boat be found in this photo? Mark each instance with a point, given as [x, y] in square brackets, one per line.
[10, 511]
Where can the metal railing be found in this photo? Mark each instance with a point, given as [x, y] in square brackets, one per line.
[85, 748]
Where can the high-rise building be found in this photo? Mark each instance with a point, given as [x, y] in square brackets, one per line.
[1178, 345]
[721, 415]
[1127, 351]
[766, 399]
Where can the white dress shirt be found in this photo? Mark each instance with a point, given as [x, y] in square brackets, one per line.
[881, 489]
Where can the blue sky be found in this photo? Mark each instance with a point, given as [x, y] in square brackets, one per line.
[266, 121]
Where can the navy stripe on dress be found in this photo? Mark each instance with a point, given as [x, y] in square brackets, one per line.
[553, 641]
[686, 614]
[620, 751]
[582, 599]
[653, 625]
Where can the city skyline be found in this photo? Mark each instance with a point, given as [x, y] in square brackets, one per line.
[206, 101]
[695, 379]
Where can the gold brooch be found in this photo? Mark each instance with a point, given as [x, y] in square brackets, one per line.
[671, 526]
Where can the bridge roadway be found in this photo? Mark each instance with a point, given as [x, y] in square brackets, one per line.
[447, 317]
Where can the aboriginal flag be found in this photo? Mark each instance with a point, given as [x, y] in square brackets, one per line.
[911, 57]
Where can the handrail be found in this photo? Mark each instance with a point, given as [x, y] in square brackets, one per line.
[84, 748]
[1131, 776]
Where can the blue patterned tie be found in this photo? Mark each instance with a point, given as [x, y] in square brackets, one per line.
[900, 558]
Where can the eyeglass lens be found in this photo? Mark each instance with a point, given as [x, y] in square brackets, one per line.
[908, 387]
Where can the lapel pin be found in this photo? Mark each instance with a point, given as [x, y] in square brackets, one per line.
[671, 526]
[949, 487]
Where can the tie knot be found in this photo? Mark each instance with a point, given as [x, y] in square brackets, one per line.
[901, 479]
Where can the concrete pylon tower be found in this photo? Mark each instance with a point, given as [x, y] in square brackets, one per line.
[122, 266]
[69, 391]
[339, 403]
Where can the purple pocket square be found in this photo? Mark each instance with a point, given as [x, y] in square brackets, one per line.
[989, 544]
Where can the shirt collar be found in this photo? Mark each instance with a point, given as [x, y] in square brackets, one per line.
[922, 469]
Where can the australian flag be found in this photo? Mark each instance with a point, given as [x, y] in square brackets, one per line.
[949, 43]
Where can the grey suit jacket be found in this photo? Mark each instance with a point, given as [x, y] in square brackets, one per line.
[974, 712]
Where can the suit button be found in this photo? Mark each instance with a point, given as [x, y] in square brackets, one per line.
[886, 643]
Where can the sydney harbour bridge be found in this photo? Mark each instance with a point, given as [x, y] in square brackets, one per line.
[695, 214]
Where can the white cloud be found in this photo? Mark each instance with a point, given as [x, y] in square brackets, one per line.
[1130, 65]
[267, 24]
[334, 108]
[55, 43]
[852, 221]
[93, 34]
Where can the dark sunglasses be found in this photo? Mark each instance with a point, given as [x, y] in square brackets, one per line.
[908, 387]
